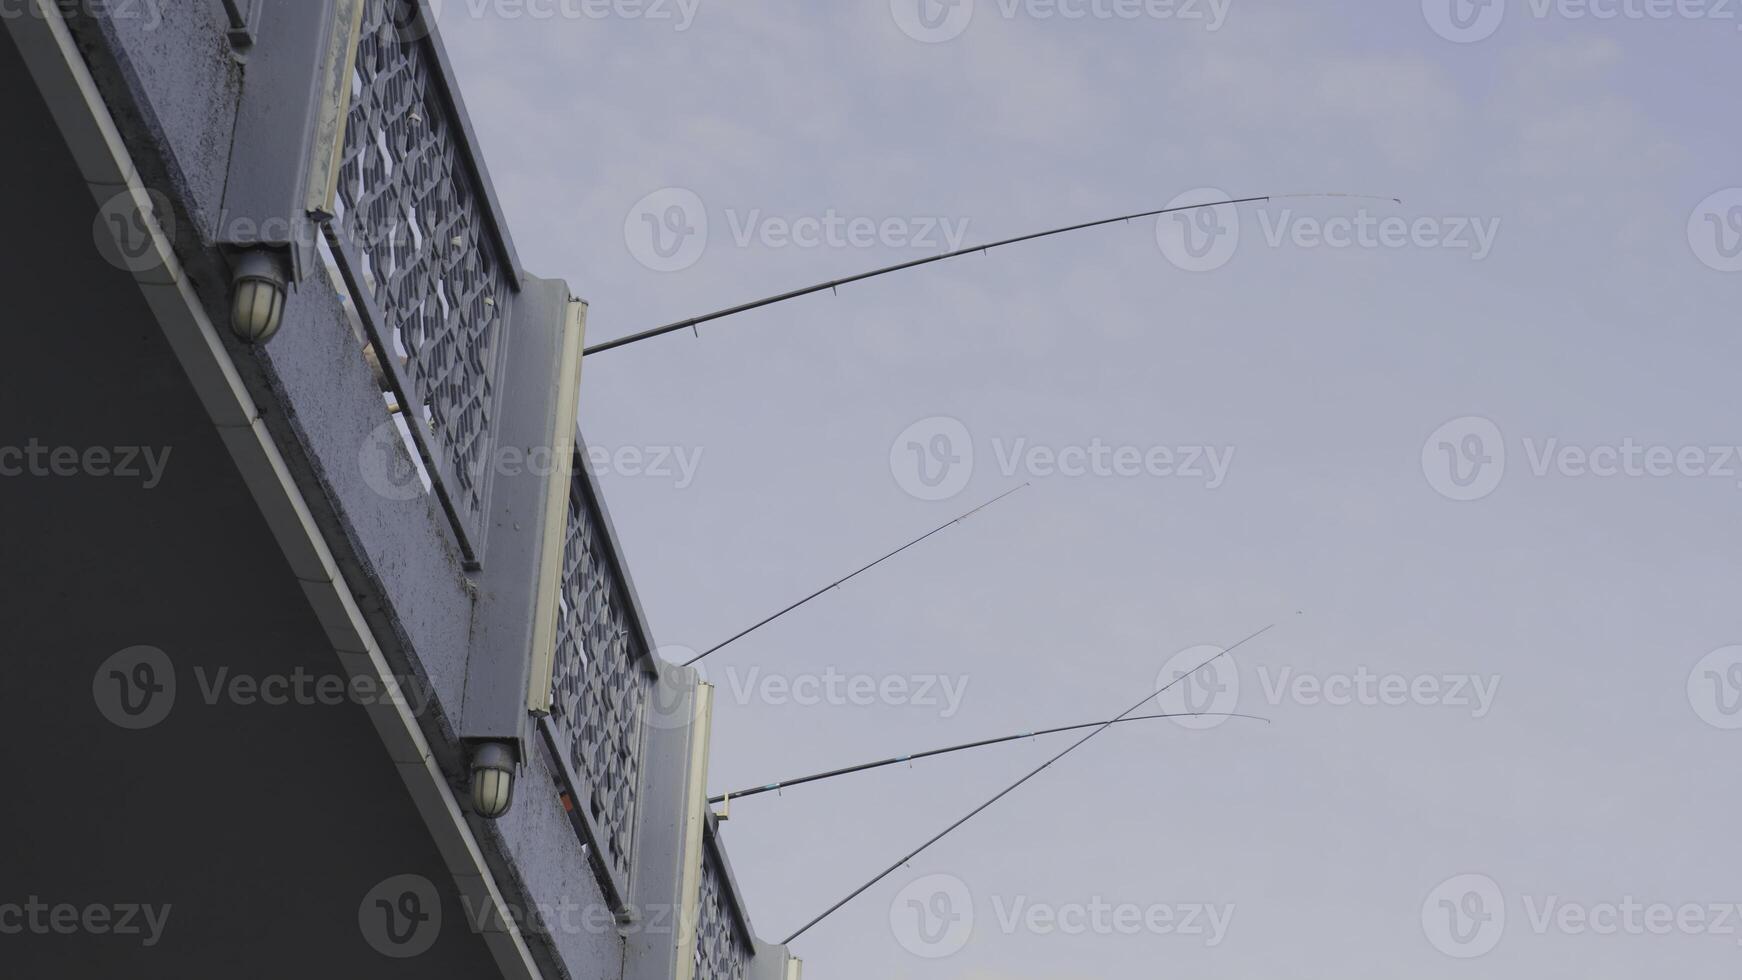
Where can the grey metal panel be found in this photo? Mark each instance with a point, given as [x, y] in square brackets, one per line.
[502, 630]
[650, 951]
[771, 962]
[275, 126]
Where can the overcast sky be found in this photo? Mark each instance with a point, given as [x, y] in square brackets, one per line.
[1471, 453]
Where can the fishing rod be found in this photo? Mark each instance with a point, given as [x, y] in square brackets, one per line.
[1013, 787]
[842, 581]
[865, 767]
[835, 284]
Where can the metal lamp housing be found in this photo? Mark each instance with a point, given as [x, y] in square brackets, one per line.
[257, 309]
[492, 779]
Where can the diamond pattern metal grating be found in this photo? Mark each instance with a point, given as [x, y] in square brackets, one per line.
[409, 207]
[600, 688]
[721, 950]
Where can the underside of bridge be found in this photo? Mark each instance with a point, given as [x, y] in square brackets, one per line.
[240, 821]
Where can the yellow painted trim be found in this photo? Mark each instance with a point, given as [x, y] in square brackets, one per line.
[334, 106]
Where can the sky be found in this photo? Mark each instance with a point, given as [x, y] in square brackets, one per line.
[1473, 454]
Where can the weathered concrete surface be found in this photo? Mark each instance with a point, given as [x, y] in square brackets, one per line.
[176, 54]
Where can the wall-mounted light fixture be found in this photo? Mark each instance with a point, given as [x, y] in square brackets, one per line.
[492, 779]
[257, 306]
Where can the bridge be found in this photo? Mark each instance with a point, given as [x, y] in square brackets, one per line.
[327, 658]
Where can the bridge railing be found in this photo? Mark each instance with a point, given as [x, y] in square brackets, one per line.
[603, 674]
[418, 238]
[725, 945]
[459, 337]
